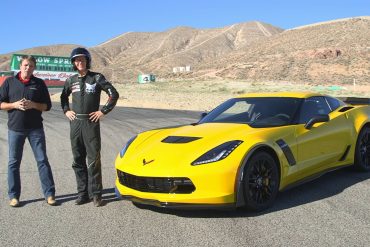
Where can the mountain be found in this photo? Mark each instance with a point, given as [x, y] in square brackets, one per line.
[328, 52]
[332, 52]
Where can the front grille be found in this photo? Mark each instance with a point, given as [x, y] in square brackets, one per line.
[156, 184]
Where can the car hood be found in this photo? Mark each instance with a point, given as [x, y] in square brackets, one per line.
[168, 150]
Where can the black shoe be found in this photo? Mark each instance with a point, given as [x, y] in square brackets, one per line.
[97, 201]
[82, 200]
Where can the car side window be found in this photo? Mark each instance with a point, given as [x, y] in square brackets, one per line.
[313, 106]
[334, 103]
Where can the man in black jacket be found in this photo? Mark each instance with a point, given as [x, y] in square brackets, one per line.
[25, 97]
[84, 116]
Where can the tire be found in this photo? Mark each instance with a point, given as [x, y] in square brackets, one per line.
[362, 151]
[261, 181]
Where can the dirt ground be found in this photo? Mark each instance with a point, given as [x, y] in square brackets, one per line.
[205, 95]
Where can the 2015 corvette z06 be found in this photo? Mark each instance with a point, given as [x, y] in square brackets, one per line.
[245, 151]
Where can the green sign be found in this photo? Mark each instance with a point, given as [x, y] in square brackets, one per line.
[47, 67]
[44, 63]
[146, 78]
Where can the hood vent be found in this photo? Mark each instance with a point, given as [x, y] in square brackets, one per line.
[180, 139]
[345, 108]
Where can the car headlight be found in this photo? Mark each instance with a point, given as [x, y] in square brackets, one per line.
[218, 153]
[124, 149]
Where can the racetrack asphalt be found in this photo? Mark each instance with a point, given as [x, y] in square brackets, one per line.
[333, 210]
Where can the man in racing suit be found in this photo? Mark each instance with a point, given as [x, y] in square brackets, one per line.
[84, 116]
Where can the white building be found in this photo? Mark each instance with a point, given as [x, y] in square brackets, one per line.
[181, 69]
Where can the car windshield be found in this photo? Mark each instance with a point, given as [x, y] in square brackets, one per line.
[257, 112]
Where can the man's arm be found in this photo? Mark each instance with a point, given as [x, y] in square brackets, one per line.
[110, 91]
[64, 100]
[113, 96]
[64, 97]
[18, 105]
[4, 99]
[45, 105]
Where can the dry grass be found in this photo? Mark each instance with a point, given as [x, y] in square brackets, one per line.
[205, 95]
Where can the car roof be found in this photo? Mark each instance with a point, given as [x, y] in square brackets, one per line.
[280, 94]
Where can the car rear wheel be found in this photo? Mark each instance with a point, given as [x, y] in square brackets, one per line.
[362, 152]
[261, 181]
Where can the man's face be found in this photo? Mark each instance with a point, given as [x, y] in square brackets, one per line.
[80, 63]
[27, 68]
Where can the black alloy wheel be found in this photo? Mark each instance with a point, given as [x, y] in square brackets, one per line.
[261, 181]
[362, 152]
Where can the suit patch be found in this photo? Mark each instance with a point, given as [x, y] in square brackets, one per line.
[90, 88]
[76, 88]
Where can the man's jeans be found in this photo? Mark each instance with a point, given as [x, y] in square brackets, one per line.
[36, 138]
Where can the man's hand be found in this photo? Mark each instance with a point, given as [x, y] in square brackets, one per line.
[96, 116]
[28, 104]
[71, 115]
[23, 105]
[20, 105]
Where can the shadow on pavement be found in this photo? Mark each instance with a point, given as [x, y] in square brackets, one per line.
[326, 186]
[108, 196]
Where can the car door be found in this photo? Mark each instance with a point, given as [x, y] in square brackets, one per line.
[325, 143]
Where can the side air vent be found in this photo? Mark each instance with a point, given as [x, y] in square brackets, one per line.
[287, 152]
[180, 139]
[345, 108]
[344, 156]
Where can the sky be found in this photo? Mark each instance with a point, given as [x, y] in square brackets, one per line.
[32, 23]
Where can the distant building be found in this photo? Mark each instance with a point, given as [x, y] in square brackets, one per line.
[181, 69]
[146, 78]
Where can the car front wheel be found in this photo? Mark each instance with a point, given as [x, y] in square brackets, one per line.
[362, 152]
[261, 181]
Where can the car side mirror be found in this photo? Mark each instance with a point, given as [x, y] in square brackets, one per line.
[317, 119]
[203, 115]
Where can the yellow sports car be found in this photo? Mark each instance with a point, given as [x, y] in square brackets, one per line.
[245, 151]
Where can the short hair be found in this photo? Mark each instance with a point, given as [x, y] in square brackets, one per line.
[28, 58]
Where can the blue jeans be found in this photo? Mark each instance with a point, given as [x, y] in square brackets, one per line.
[36, 138]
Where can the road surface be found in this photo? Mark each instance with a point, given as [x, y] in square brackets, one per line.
[333, 210]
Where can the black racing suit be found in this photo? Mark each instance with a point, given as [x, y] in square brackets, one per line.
[85, 135]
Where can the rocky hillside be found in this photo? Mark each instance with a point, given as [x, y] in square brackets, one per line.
[334, 53]
[331, 52]
[130, 54]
